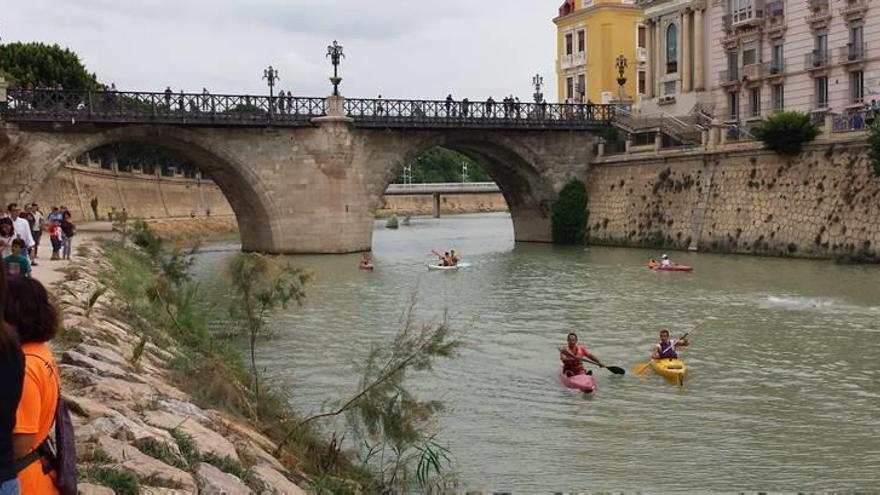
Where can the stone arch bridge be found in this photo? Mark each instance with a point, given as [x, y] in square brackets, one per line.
[306, 175]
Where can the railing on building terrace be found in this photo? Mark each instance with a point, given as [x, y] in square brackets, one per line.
[245, 110]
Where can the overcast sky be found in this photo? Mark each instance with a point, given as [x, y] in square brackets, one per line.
[399, 48]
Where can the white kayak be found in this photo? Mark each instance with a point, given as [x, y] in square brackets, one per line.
[441, 267]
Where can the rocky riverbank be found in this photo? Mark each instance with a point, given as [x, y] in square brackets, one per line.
[137, 432]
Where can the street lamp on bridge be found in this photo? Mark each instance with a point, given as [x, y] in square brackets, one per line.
[538, 83]
[271, 75]
[621, 64]
[334, 51]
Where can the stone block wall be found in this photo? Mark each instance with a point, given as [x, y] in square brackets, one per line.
[824, 203]
[423, 204]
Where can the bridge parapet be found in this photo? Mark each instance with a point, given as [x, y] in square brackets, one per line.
[444, 187]
[198, 109]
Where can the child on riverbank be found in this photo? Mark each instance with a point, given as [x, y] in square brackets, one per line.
[17, 265]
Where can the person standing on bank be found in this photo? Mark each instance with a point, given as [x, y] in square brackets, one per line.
[36, 321]
[20, 225]
[12, 371]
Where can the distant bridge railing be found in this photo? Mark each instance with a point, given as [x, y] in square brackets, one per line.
[443, 188]
[47, 105]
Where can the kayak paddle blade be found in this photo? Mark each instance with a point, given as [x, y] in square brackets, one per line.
[616, 370]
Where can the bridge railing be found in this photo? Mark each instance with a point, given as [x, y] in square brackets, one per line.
[443, 113]
[189, 108]
[48, 105]
[443, 187]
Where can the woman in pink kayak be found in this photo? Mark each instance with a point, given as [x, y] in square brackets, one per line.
[572, 354]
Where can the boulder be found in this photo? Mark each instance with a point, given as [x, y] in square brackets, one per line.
[127, 429]
[271, 482]
[144, 466]
[206, 440]
[74, 358]
[90, 489]
[212, 481]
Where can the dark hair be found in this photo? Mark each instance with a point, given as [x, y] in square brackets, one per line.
[18, 242]
[11, 206]
[31, 312]
[8, 338]
[664, 331]
[7, 221]
[572, 334]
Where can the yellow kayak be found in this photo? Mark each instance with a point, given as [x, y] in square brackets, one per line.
[673, 369]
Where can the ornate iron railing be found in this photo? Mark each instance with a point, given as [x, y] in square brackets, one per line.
[470, 114]
[245, 110]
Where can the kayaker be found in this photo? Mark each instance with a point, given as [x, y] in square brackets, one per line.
[453, 258]
[665, 262]
[366, 261]
[572, 354]
[666, 348]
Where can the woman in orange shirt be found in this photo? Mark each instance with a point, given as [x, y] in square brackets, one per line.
[35, 318]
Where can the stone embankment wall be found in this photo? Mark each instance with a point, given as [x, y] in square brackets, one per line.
[148, 196]
[143, 196]
[449, 204]
[824, 203]
[126, 410]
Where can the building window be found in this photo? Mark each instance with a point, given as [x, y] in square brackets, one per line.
[820, 49]
[642, 83]
[568, 44]
[733, 106]
[732, 66]
[856, 42]
[741, 10]
[569, 89]
[750, 54]
[777, 65]
[642, 40]
[671, 49]
[582, 87]
[755, 102]
[778, 97]
[582, 41]
[669, 88]
[821, 92]
[857, 86]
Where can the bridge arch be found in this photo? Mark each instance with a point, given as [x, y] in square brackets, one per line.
[249, 198]
[523, 171]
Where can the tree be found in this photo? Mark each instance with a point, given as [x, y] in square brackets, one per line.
[443, 165]
[874, 147]
[261, 284]
[39, 64]
[786, 132]
[570, 214]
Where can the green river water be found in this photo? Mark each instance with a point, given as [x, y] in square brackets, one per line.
[783, 392]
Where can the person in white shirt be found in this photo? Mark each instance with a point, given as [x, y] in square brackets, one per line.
[21, 226]
[664, 261]
[37, 229]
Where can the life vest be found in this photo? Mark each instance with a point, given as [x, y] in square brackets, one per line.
[668, 351]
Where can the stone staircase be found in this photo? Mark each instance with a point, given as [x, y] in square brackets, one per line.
[684, 130]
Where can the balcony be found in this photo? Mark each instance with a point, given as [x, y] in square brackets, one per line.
[852, 53]
[573, 60]
[753, 15]
[728, 77]
[775, 69]
[819, 14]
[816, 60]
[752, 72]
[854, 10]
[775, 14]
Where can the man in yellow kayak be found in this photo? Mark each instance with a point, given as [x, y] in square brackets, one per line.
[572, 354]
[666, 348]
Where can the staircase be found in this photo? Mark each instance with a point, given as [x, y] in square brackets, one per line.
[684, 130]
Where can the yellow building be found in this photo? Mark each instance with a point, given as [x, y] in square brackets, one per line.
[591, 35]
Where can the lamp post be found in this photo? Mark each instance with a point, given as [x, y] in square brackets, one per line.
[334, 51]
[271, 75]
[538, 83]
[621, 78]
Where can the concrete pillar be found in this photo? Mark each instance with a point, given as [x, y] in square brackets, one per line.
[649, 48]
[658, 142]
[436, 205]
[600, 151]
[659, 58]
[3, 86]
[699, 83]
[685, 51]
[716, 134]
[829, 125]
[704, 138]
[628, 143]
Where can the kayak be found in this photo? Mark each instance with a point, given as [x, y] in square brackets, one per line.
[673, 268]
[672, 369]
[584, 383]
[441, 267]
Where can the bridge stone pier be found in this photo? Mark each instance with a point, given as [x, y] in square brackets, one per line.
[312, 188]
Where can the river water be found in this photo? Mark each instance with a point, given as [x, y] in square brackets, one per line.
[783, 391]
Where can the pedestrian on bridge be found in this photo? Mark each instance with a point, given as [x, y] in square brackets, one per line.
[168, 94]
[449, 109]
[490, 107]
[380, 109]
[465, 107]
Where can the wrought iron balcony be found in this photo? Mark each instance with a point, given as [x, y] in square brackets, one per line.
[773, 69]
[852, 53]
[728, 77]
[818, 4]
[816, 60]
[255, 111]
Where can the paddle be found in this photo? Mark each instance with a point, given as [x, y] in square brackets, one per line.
[614, 369]
[642, 368]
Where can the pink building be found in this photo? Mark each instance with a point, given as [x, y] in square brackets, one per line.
[816, 56]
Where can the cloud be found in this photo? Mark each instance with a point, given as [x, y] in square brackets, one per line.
[399, 48]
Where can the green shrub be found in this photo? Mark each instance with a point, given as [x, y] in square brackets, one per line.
[570, 214]
[120, 481]
[786, 132]
[144, 237]
[874, 147]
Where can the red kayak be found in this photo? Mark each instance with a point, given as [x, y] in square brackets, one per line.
[670, 268]
[585, 383]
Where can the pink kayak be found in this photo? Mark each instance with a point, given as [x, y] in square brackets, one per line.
[584, 383]
[674, 268]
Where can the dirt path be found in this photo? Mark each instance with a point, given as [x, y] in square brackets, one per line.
[49, 272]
